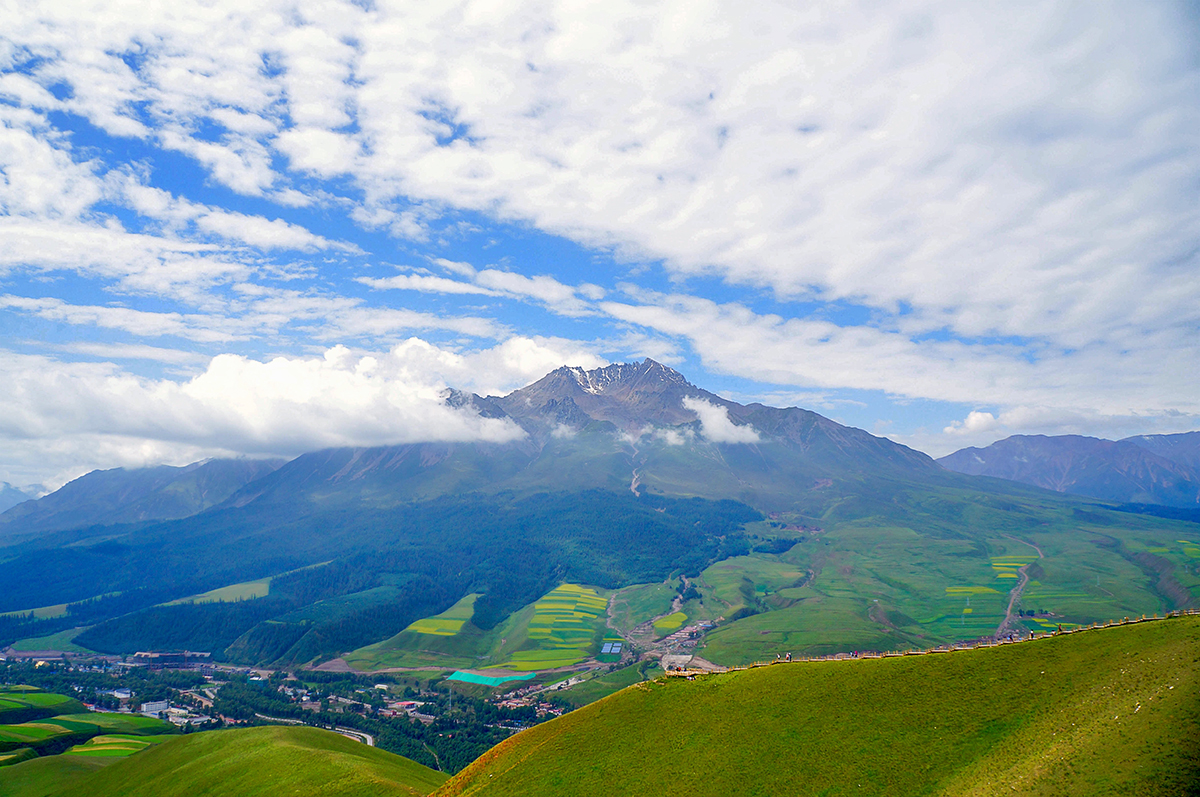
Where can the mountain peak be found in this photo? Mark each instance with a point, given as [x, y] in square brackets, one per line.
[597, 381]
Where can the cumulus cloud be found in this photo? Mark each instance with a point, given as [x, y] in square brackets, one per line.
[58, 417]
[715, 424]
[1002, 195]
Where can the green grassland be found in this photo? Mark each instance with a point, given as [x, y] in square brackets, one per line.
[604, 685]
[244, 591]
[634, 605]
[48, 776]
[265, 761]
[880, 586]
[559, 629]
[25, 704]
[62, 641]
[1110, 711]
[41, 612]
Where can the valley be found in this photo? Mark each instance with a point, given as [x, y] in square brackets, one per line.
[620, 540]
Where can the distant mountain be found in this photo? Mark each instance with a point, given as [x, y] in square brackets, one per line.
[104, 497]
[629, 426]
[10, 496]
[1182, 449]
[1127, 471]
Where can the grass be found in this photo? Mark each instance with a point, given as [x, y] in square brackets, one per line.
[1113, 711]
[634, 605]
[62, 641]
[264, 761]
[51, 775]
[602, 686]
[944, 577]
[244, 591]
[41, 612]
[38, 733]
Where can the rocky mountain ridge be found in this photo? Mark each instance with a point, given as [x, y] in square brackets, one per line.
[1149, 469]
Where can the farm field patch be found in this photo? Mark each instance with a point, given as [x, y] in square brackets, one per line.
[116, 745]
[562, 628]
[672, 622]
[632, 606]
[449, 622]
[247, 590]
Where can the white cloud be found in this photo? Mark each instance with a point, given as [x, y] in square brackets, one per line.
[425, 283]
[57, 417]
[974, 423]
[732, 339]
[715, 424]
[1004, 194]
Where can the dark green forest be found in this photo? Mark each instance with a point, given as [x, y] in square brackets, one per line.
[406, 562]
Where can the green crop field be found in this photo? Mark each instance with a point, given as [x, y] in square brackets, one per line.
[449, 622]
[557, 630]
[1107, 711]
[249, 762]
[672, 622]
[116, 745]
[62, 641]
[41, 612]
[634, 605]
[604, 685]
[228, 594]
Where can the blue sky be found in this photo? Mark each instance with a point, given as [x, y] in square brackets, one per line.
[265, 227]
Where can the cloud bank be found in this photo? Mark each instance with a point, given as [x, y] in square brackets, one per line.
[715, 425]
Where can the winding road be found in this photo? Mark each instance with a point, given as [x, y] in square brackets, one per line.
[1015, 594]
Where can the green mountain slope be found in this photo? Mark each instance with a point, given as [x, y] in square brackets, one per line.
[247, 762]
[131, 496]
[1113, 711]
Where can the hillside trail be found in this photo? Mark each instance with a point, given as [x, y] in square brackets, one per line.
[1015, 594]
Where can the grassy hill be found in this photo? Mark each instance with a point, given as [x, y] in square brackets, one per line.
[247, 762]
[1113, 711]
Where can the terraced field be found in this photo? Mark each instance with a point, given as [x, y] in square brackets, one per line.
[559, 629]
[116, 745]
[449, 622]
[563, 627]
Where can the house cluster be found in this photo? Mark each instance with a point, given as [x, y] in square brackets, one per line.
[159, 709]
[543, 708]
[407, 708]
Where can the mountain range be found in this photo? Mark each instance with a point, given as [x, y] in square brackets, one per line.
[798, 533]
[1148, 469]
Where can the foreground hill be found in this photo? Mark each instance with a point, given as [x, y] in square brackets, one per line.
[1152, 469]
[1112, 711]
[252, 761]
